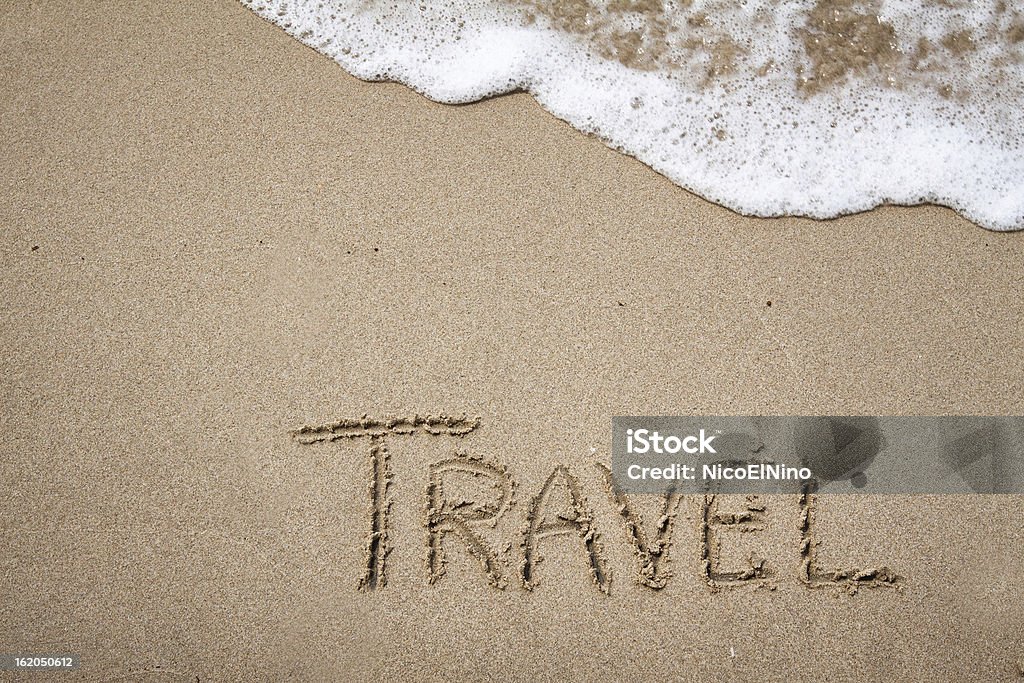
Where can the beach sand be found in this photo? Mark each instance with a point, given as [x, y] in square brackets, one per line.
[214, 236]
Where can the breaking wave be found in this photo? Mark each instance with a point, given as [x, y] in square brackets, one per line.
[769, 107]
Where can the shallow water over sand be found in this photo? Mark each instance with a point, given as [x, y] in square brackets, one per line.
[813, 108]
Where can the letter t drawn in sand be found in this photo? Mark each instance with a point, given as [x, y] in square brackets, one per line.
[376, 432]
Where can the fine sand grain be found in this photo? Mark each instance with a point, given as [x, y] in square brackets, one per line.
[213, 237]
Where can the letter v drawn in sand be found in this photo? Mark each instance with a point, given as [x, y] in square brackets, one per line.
[376, 432]
[651, 556]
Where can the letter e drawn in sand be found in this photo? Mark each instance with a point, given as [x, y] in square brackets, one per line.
[377, 431]
[448, 514]
[573, 519]
[813, 576]
[714, 524]
[651, 556]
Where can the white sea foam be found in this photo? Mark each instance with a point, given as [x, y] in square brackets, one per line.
[769, 107]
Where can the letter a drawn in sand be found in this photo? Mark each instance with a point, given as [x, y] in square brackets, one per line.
[575, 519]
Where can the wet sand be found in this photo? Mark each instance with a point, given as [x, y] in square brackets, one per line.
[213, 236]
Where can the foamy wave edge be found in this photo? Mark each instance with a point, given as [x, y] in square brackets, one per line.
[758, 150]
